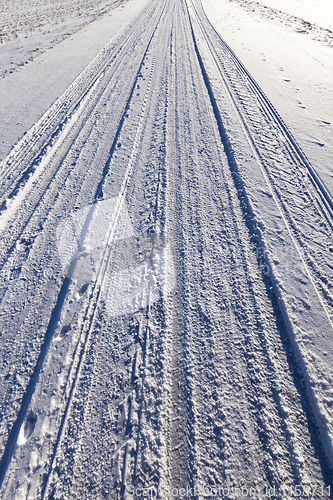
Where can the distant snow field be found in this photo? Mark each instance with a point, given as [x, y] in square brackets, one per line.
[30, 27]
[318, 12]
[23, 17]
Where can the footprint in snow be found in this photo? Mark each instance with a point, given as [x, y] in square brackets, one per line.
[28, 428]
[30, 423]
[83, 289]
[65, 329]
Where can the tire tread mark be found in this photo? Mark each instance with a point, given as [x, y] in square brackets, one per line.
[96, 293]
[52, 325]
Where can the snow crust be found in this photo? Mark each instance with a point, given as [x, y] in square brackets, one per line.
[319, 12]
[30, 89]
[166, 255]
[284, 49]
[294, 70]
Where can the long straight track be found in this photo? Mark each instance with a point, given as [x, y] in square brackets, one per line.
[144, 347]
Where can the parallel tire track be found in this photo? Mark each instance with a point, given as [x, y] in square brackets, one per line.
[94, 302]
[54, 136]
[200, 386]
[92, 305]
[260, 119]
[54, 188]
[249, 103]
[120, 458]
[32, 146]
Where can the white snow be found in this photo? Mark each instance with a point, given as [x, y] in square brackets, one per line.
[166, 248]
[294, 70]
[318, 12]
[26, 94]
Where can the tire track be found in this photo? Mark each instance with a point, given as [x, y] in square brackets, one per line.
[90, 313]
[50, 150]
[289, 165]
[178, 447]
[240, 103]
[132, 434]
[35, 220]
[31, 147]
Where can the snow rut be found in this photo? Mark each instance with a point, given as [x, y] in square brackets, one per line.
[192, 382]
[294, 249]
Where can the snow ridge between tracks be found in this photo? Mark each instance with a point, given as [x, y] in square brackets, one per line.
[307, 315]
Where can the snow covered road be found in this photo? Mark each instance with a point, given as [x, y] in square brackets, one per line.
[166, 282]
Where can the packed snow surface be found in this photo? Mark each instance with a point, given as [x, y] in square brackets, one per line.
[292, 62]
[166, 249]
[318, 12]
